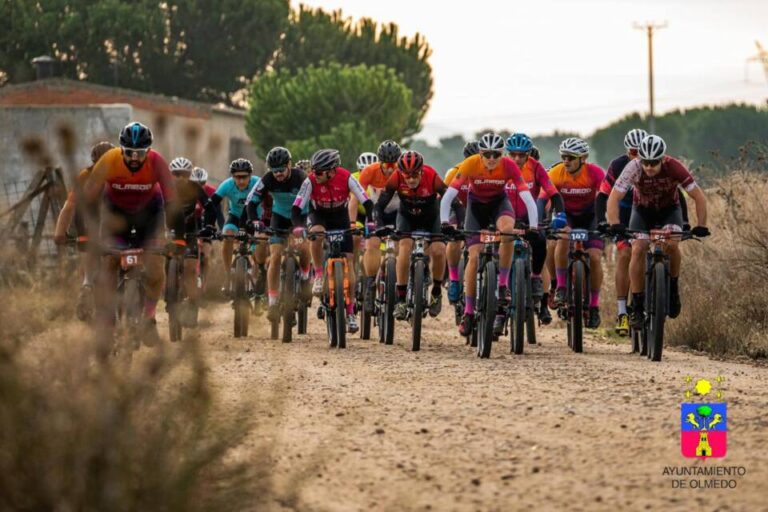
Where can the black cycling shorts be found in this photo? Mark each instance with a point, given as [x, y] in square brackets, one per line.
[116, 224]
[332, 220]
[645, 219]
[410, 223]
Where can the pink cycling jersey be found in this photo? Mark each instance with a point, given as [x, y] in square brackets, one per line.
[537, 179]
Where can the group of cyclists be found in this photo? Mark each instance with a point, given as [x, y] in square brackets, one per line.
[130, 195]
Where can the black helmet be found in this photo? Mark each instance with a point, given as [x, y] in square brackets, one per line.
[278, 157]
[325, 160]
[389, 151]
[240, 165]
[135, 136]
[470, 148]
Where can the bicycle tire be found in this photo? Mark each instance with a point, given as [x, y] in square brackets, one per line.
[173, 299]
[301, 326]
[330, 324]
[132, 312]
[576, 321]
[241, 302]
[517, 334]
[418, 305]
[389, 302]
[659, 313]
[288, 298]
[340, 304]
[366, 316]
[530, 316]
[487, 315]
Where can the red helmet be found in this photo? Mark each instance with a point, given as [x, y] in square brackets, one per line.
[410, 163]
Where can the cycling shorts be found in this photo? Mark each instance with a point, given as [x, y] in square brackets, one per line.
[116, 224]
[624, 215]
[482, 215]
[232, 224]
[644, 218]
[587, 220]
[410, 223]
[332, 220]
[283, 224]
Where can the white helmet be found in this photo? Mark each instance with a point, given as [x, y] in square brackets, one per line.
[634, 137]
[574, 146]
[652, 147]
[181, 164]
[366, 159]
[199, 175]
[490, 142]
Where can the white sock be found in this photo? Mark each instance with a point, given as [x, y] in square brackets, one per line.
[622, 306]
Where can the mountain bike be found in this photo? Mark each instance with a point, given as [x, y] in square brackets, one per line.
[241, 283]
[291, 302]
[386, 280]
[174, 284]
[521, 318]
[419, 280]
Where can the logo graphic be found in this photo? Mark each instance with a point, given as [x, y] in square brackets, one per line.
[704, 425]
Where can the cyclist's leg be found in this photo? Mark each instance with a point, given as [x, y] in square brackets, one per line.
[594, 246]
[505, 221]
[273, 273]
[402, 264]
[227, 246]
[623, 256]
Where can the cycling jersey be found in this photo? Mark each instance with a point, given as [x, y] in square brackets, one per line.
[332, 195]
[537, 179]
[464, 190]
[360, 208]
[235, 196]
[419, 201]
[615, 168]
[659, 191]
[577, 190]
[373, 180]
[127, 190]
[283, 193]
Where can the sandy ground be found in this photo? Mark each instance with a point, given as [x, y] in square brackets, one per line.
[377, 427]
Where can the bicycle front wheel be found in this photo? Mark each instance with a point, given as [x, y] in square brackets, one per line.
[418, 304]
[340, 304]
[488, 306]
[388, 308]
[659, 312]
[288, 298]
[173, 299]
[520, 313]
[241, 302]
[576, 320]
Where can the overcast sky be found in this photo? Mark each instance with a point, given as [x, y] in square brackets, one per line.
[535, 66]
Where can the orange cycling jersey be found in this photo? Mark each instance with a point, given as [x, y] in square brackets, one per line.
[374, 181]
[577, 190]
[127, 190]
[463, 191]
[488, 185]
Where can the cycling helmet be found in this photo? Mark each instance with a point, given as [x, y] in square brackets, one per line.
[135, 136]
[98, 150]
[325, 160]
[389, 151]
[574, 146]
[181, 164]
[303, 165]
[535, 153]
[366, 159]
[490, 142]
[652, 147]
[240, 165]
[519, 143]
[634, 137]
[410, 162]
[470, 148]
[199, 175]
[278, 157]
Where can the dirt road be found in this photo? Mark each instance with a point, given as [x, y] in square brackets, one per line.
[377, 427]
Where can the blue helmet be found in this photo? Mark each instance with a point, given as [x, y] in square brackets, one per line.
[519, 143]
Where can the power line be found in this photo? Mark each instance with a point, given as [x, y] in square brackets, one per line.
[649, 28]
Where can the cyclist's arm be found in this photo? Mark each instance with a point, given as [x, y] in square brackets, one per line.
[253, 200]
[358, 191]
[64, 220]
[700, 200]
[613, 205]
[451, 193]
[211, 208]
[301, 202]
[683, 206]
[530, 205]
[601, 203]
[384, 199]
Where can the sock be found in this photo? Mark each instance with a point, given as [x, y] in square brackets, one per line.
[401, 291]
[351, 308]
[638, 300]
[503, 276]
[553, 283]
[437, 288]
[318, 272]
[594, 298]
[469, 305]
[305, 272]
[622, 303]
[534, 274]
[453, 272]
[561, 275]
[272, 297]
[150, 307]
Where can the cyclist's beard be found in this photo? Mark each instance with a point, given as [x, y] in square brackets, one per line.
[133, 165]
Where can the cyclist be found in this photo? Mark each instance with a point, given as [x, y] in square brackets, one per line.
[655, 178]
[458, 210]
[487, 204]
[578, 183]
[418, 186]
[235, 189]
[327, 188]
[373, 179]
[137, 190]
[200, 176]
[535, 153]
[282, 181]
[363, 161]
[82, 214]
[519, 148]
[632, 141]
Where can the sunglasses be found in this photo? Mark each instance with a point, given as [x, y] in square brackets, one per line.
[139, 153]
[491, 155]
[517, 154]
[651, 163]
[241, 176]
[181, 174]
[568, 158]
[279, 170]
[321, 172]
[412, 175]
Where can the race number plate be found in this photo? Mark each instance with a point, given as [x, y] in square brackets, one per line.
[489, 237]
[335, 236]
[579, 235]
[131, 258]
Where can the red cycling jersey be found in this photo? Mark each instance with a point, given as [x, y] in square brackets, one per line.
[331, 195]
[659, 191]
[419, 200]
[538, 182]
[486, 185]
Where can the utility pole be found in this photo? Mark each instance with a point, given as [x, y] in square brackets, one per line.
[649, 27]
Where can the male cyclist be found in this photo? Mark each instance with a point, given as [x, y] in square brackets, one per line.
[138, 192]
[327, 188]
[282, 181]
[83, 214]
[519, 147]
[418, 187]
[236, 189]
[364, 160]
[655, 178]
[458, 210]
[373, 179]
[487, 204]
[578, 183]
[631, 144]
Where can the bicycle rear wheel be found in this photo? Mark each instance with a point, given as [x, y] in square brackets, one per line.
[388, 308]
[521, 310]
[576, 320]
[487, 310]
[658, 313]
[173, 299]
[340, 304]
[288, 298]
[418, 304]
[241, 302]
[366, 316]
